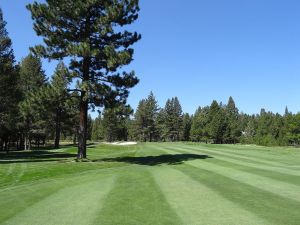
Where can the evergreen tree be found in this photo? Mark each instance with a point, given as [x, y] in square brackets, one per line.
[160, 124]
[196, 126]
[173, 119]
[217, 123]
[97, 129]
[187, 124]
[140, 119]
[32, 80]
[200, 125]
[89, 32]
[233, 132]
[146, 119]
[9, 90]
[115, 123]
[53, 100]
[32, 75]
[249, 132]
[152, 109]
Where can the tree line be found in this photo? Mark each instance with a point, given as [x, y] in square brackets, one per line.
[33, 108]
[217, 123]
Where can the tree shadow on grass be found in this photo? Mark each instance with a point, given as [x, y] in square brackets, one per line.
[168, 159]
[33, 156]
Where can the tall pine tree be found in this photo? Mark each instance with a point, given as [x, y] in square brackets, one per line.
[9, 90]
[173, 119]
[32, 80]
[91, 33]
[232, 133]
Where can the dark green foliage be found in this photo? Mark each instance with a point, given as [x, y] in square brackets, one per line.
[57, 104]
[200, 123]
[187, 125]
[32, 82]
[217, 125]
[249, 133]
[114, 123]
[173, 120]
[9, 89]
[232, 133]
[146, 128]
[89, 32]
[97, 129]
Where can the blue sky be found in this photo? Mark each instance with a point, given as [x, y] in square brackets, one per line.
[200, 50]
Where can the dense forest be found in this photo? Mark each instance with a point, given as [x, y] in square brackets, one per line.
[218, 123]
[36, 109]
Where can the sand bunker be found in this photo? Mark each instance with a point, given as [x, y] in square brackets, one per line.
[122, 143]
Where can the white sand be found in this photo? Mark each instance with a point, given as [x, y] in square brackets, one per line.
[122, 143]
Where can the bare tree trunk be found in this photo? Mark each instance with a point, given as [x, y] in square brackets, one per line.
[25, 142]
[6, 146]
[57, 129]
[75, 138]
[84, 102]
[29, 143]
[82, 130]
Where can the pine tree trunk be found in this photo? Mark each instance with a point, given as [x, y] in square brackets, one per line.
[6, 146]
[75, 138]
[29, 143]
[57, 129]
[25, 143]
[84, 103]
[82, 129]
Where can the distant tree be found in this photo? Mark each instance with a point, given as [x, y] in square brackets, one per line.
[140, 121]
[200, 125]
[152, 109]
[97, 129]
[196, 127]
[187, 124]
[160, 124]
[249, 132]
[217, 123]
[293, 132]
[232, 133]
[146, 119]
[53, 100]
[9, 89]
[173, 119]
[32, 80]
[88, 32]
[115, 123]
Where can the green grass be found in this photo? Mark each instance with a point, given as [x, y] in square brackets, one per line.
[153, 183]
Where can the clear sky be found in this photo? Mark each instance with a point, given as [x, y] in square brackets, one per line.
[200, 50]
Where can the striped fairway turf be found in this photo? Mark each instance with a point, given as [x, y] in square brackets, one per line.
[152, 183]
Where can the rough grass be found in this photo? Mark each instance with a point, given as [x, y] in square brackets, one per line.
[165, 183]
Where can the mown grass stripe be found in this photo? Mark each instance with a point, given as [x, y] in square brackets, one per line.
[197, 204]
[274, 173]
[136, 199]
[291, 179]
[77, 204]
[277, 187]
[287, 155]
[239, 162]
[237, 156]
[22, 196]
[273, 208]
[274, 153]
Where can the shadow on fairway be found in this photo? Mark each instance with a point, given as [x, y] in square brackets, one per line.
[157, 160]
[33, 156]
